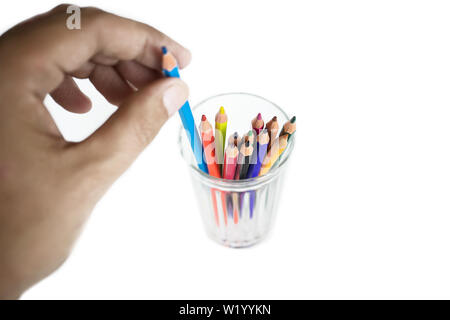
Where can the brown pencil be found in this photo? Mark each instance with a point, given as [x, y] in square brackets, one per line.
[272, 128]
[234, 139]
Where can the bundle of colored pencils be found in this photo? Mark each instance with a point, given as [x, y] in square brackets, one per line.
[253, 155]
[236, 158]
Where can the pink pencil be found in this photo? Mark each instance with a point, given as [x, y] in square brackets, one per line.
[229, 167]
[229, 171]
[258, 123]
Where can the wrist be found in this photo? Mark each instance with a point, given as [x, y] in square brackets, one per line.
[9, 293]
[9, 290]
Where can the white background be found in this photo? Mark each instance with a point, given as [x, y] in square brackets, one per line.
[366, 209]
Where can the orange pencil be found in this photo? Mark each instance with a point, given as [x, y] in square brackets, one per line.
[206, 132]
[207, 137]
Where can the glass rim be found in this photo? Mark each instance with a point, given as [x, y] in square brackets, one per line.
[244, 183]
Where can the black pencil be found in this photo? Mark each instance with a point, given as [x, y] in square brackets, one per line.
[245, 157]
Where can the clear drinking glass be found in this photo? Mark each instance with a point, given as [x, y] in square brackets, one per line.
[225, 204]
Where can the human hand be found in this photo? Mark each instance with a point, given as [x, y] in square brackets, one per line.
[48, 187]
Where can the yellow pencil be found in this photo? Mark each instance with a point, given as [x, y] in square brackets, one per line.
[274, 153]
[221, 135]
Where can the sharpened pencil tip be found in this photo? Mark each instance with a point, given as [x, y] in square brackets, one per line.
[164, 50]
[259, 116]
[203, 118]
[222, 110]
[294, 118]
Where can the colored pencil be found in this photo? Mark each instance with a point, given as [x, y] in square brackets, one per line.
[170, 69]
[258, 123]
[272, 128]
[248, 137]
[223, 197]
[261, 150]
[230, 164]
[207, 137]
[221, 134]
[245, 155]
[208, 141]
[244, 162]
[253, 170]
[273, 154]
[235, 204]
[289, 127]
[216, 210]
[229, 171]
[234, 139]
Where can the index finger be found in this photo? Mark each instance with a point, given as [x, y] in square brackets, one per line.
[44, 49]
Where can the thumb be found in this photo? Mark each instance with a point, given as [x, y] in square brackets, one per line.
[134, 125]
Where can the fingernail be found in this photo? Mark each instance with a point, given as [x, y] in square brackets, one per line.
[174, 97]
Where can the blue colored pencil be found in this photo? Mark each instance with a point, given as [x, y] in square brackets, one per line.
[255, 167]
[170, 69]
[261, 148]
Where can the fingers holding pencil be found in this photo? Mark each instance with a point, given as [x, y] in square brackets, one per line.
[106, 39]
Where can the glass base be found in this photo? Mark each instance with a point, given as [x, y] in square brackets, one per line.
[241, 244]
